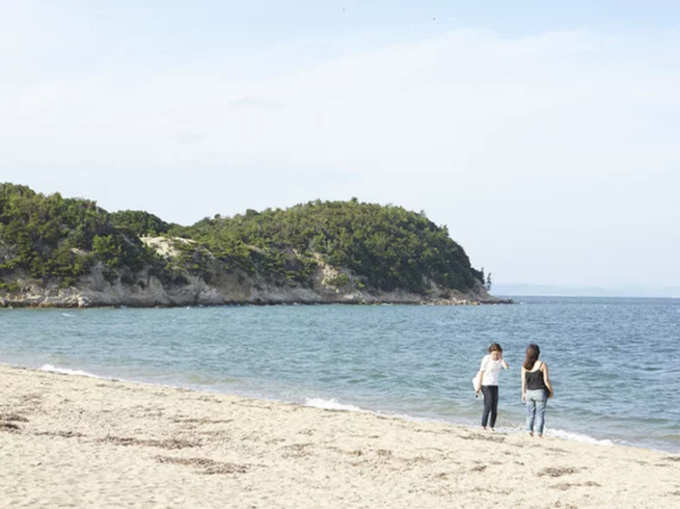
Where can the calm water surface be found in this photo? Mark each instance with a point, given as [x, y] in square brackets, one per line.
[614, 362]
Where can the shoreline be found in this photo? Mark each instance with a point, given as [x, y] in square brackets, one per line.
[331, 403]
[86, 441]
[95, 291]
[6, 304]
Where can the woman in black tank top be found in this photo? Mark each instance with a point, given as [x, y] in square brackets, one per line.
[535, 380]
[536, 389]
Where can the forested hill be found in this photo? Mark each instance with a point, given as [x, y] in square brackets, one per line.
[314, 252]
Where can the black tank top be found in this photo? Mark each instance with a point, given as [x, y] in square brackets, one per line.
[535, 380]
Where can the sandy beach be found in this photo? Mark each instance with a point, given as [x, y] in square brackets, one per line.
[75, 441]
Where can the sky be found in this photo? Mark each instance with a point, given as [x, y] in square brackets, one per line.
[545, 137]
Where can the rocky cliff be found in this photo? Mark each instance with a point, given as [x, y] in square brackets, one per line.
[71, 253]
[148, 290]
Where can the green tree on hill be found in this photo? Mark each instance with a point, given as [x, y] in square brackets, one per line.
[52, 238]
[388, 246]
[139, 222]
[385, 247]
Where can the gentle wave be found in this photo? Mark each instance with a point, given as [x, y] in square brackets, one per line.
[578, 437]
[66, 371]
[331, 404]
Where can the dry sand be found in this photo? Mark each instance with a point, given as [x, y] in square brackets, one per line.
[72, 441]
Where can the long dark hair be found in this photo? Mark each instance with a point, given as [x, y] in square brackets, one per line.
[532, 356]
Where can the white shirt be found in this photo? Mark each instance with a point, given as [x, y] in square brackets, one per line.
[491, 369]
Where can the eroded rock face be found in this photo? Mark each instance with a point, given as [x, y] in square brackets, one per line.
[328, 285]
[228, 288]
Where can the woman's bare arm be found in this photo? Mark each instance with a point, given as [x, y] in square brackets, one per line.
[546, 380]
[503, 363]
[524, 384]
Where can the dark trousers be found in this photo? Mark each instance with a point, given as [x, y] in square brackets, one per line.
[490, 404]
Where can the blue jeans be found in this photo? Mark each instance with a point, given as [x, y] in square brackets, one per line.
[536, 400]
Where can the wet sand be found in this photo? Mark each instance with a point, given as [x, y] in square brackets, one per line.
[73, 441]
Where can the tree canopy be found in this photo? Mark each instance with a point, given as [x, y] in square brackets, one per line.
[384, 247]
[390, 247]
[51, 237]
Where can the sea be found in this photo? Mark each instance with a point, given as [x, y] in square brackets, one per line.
[614, 362]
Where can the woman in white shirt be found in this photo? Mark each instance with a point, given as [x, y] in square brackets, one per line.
[489, 371]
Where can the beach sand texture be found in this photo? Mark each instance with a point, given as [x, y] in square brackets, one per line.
[73, 441]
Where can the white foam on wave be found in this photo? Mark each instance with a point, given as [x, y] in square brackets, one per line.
[579, 437]
[66, 371]
[331, 404]
[559, 433]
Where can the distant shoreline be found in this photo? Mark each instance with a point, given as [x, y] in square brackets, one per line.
[587, 292]
[28, 305]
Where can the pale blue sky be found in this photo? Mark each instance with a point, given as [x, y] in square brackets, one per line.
[544, 136]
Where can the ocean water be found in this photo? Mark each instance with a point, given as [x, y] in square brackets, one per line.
[614, 363]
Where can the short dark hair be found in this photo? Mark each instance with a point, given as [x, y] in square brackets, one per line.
[495, 347]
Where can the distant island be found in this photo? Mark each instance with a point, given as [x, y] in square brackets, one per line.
[68, 252]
